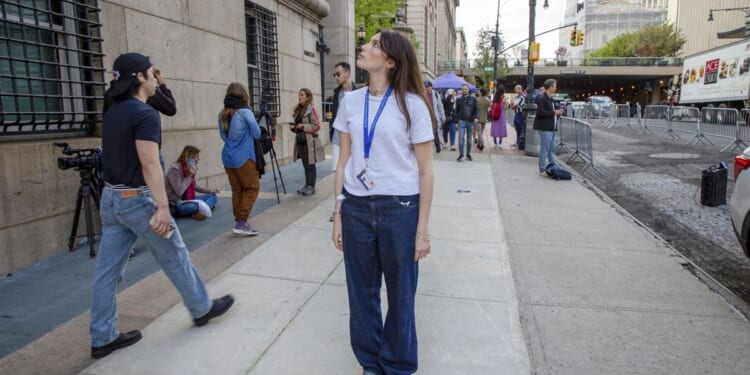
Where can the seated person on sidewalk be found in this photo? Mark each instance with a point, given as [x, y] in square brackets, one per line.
[181, 187]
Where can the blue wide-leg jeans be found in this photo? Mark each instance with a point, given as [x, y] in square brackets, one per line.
[546, 149]
[378, 234]
[124, 219]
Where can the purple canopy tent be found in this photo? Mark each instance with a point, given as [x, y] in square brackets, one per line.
[451, 81]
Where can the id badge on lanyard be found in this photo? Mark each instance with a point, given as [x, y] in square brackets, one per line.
[369, 133]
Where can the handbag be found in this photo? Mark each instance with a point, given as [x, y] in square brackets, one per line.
[301, 137]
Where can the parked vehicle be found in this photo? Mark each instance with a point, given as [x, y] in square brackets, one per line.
[599, 104]
[719, 77]
[739, 204]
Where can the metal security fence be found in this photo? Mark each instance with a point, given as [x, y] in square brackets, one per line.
[625, 115]
[654, 116]
[51, 74]
[683, 120]
[722, 123]
[577, 134]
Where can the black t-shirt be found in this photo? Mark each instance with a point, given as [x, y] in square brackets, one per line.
[123, 124]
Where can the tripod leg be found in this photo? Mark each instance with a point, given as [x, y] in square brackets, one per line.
[89, 220]
[76, 216]
[276, 160]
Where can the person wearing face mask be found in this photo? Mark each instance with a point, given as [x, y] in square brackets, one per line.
[182, 188]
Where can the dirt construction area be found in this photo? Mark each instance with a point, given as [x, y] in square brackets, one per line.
[657, 179]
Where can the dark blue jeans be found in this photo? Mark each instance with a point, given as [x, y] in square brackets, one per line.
[378, 233]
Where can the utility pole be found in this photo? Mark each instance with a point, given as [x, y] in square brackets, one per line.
[495, 42]
[530, 70]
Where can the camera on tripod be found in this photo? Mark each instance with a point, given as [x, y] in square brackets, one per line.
[82, 158]
[87, 161]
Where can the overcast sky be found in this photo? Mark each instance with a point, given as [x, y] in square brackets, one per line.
[472, 15]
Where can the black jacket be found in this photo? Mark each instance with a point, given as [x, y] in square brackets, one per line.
[335, 108]
[545, 114]
[162, 101]
[450, 110]
[467, 108]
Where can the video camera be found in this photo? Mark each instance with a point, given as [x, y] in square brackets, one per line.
[82, 158]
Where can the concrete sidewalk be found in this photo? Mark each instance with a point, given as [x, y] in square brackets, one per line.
[291, 314]
[527, 275]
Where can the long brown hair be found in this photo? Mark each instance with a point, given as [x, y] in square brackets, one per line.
[405, 76]
[187, 153]
[236, 90]
[300, 109]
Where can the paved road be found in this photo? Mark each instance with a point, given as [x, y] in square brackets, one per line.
[657, 179]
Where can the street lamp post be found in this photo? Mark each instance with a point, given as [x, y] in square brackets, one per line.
[744, 9]
[495, 42]
[359, 73]
[532, 20]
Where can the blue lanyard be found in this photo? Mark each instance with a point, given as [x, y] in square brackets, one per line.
[370, 134]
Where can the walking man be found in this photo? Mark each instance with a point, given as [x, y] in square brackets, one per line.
[342, 73]
[546, 124]
[134, 205]
[467, 111]
[484, 105]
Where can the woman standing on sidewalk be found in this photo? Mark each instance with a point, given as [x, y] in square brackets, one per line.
[499, 128]
[383, 190]
[238, 129]
[307, 145]
[449, 125]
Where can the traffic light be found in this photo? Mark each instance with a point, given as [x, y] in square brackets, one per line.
[580, 38]
[573, 38]
[534, 52]
[493, 42]
[492, 85]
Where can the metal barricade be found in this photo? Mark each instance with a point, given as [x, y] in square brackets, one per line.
[623, 116]
[722, 123]
[578, 132]
[655, 116]
[565, 137]
[744, 126]
[682, 120]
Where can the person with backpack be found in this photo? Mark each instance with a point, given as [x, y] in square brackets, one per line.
[307, 145]
[498, 117]
[239, 130]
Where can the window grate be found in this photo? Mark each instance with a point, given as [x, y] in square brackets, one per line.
[262, 59]
[51, 75]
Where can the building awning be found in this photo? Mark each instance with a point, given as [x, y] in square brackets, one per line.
[737, 33]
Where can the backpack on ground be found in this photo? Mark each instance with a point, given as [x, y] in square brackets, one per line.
[557, 172]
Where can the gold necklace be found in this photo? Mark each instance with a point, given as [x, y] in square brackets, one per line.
[377, 92]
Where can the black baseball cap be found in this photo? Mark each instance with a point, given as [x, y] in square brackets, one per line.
[125, 69]
[427, 83]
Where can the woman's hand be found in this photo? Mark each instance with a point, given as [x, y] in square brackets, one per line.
[422, 248]
[215, 190]
[300, 126]
[338, 243]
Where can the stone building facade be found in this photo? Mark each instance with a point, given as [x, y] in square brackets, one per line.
[60, 58]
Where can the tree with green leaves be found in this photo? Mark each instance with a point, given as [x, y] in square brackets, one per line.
[484, 56]
[663, 40]
[375, 15]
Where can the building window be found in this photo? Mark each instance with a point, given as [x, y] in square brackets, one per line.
[51, 75]
[262, 59]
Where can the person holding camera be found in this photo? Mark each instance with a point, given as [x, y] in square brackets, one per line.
[182, 188]
[546, 124]
[307, 145]
[134, 205]
[449, 124]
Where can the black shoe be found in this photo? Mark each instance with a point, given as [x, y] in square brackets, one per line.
[460, 157]
[469, 157]
[219, 307]
[122, 341]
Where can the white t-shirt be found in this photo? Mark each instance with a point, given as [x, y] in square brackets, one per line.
[392, 165]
